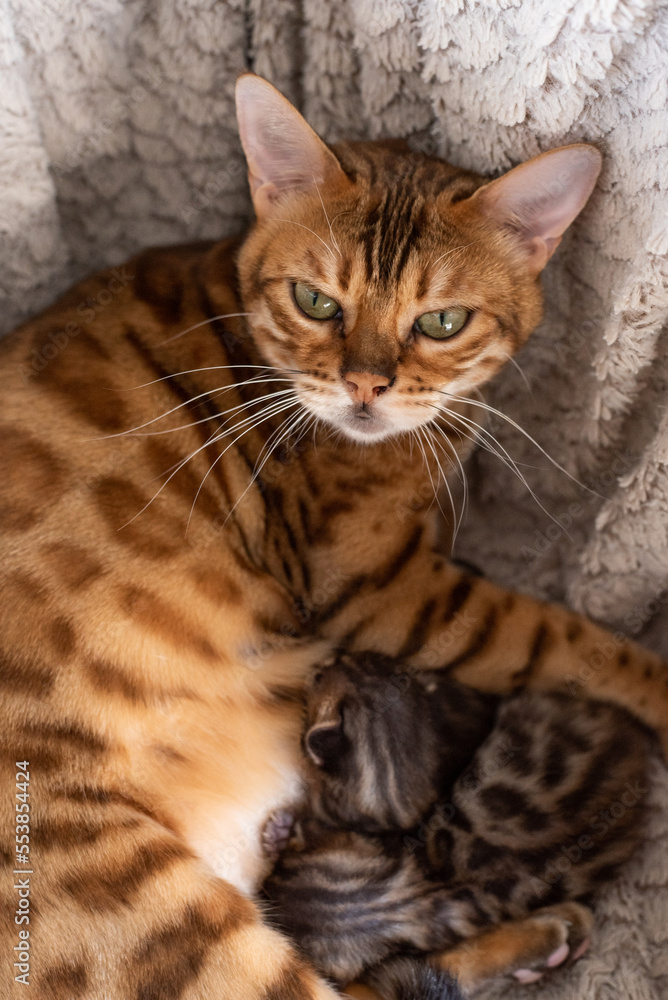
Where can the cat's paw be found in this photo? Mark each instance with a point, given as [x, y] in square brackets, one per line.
[555, 934]
[276, 833]
[525, 948]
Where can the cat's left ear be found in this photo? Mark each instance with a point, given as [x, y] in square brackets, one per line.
[539, 199]
[282, 150]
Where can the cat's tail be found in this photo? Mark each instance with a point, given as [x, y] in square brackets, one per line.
[412, 979]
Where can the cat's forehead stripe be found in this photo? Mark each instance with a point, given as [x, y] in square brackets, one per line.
[391, 231]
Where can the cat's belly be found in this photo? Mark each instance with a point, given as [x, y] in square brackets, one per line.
[229, 837]
[238, 759]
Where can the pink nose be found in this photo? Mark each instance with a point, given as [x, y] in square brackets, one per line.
[364, 387]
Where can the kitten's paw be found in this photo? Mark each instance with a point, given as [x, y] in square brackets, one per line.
[525, 949]
[556, 934]
[276, 833]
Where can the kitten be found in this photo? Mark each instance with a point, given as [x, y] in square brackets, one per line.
[434, 811]
[170, 570]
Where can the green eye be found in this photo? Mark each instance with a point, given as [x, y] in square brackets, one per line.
[315, 304]
[444, 324]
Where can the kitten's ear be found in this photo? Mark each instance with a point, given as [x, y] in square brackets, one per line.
[282, 150]
[325, 745]
[325, 740]
[539, 199]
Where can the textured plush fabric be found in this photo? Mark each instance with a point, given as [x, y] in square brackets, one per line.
[117, 131]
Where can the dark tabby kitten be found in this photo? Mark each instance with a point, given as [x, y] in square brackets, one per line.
[434, 811]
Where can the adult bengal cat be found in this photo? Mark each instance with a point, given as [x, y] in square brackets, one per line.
[159, 613]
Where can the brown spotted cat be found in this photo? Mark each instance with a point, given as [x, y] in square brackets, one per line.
[163, 586]
[434, 812]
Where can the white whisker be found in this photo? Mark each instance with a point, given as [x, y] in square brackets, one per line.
[457, 520]
[196, 326]
[254, 380]
[491, 446]
[339, 214]
[480, 438]
[329, 224]
[221, 415]
[279, 407]
[516, 365]
[257, 418]
[306, 429]
[293, 420]
[316, 421]
[420, 431]
[291, 223]
[164, 472]
[513, 423]
[447, 253]
[461, 473]
[214, 368]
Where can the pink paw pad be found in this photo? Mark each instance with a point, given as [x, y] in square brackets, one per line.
[533, 975]
[558, 956]
[527, 975]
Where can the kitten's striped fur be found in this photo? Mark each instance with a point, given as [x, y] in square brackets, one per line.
[430, 817]
[155, 627]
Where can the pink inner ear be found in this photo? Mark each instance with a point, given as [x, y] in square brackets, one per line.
[540, 198]
[282, 150]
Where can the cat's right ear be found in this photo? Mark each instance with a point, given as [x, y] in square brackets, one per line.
[282, 150]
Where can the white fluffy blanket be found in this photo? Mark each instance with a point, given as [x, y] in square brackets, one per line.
[117, 131]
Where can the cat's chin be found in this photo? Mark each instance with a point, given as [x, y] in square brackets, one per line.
[366, 429]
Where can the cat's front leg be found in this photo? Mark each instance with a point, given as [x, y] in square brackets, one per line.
[420, 607]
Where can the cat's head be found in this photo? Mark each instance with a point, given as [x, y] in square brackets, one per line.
[383, 742]
[374, 756]
[388, 282]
